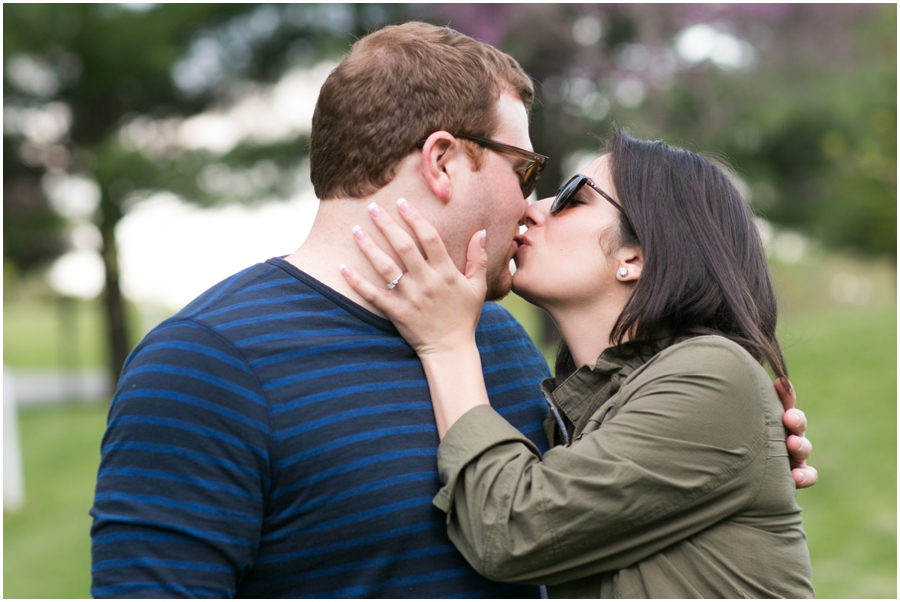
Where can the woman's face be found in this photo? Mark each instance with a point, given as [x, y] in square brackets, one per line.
[571, 258]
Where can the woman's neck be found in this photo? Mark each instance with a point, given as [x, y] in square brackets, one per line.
[586, 330]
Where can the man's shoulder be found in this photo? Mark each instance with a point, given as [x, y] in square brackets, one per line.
[496, 318]
[261, 281]
[259, 289]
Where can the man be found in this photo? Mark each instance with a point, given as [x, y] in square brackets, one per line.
[275, 438]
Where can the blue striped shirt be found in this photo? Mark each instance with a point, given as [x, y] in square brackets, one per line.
[274, 439]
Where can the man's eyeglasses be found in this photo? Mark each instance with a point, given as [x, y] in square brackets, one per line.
[568, 190]
[533, 168]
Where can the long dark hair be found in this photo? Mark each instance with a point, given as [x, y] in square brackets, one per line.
[705, 269]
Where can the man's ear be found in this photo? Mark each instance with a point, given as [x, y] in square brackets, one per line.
[630, 262]
[438, 155]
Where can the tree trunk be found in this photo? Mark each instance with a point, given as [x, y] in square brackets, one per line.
[114, 304]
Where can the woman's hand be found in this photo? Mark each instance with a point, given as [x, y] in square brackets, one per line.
[433, 305]
[799, 447]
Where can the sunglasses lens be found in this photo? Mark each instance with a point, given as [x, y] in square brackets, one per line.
[565, 194]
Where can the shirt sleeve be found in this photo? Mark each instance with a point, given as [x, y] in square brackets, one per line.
[684, 451]
[184, 470]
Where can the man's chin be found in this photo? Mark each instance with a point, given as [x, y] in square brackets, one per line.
[499, 284]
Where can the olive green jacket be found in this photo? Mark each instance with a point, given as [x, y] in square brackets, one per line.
[676, 483]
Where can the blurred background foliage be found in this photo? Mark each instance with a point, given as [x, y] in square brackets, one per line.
[799, 98]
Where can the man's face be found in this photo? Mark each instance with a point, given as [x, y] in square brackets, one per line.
[494, 198]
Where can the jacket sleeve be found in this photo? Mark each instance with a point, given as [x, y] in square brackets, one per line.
[184, 470]
[685, 450]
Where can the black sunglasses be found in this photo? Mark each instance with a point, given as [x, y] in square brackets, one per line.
[533, 168]
[567, 191]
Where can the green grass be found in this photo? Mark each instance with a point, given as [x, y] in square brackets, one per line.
[844, 368]
[842, 361]
[843, 365]
[47, 545]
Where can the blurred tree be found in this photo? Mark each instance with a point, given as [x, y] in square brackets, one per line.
[801, 97]
[76, 74]
[32, 231]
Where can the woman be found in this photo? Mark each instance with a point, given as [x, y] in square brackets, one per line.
[669, 475]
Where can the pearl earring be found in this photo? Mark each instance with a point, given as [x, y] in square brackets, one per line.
[623, 272]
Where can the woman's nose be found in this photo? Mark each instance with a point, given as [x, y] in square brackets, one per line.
[536, 214]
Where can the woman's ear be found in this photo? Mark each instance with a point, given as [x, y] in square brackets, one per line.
[630, 262]
[437, 155]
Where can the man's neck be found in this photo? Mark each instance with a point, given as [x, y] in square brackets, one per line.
[330, 243]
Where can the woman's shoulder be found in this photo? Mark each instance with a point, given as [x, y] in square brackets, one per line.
[702, 354]
[712, 371]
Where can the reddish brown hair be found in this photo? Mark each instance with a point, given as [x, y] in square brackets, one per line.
[396, 87]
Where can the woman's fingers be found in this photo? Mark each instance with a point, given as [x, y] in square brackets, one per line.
[476, 262]
[366, 289]
[805, 476]
[399, 239]
[427, 234]
[380, 260]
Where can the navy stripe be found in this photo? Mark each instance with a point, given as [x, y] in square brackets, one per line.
[116, 591]
[345, 391]
[278, 318]
[357, 592]
[215, 381]
[361, 516]
[158, 448]
[155, 500]
[506, 325]
[515, 364]
[351, 466]
[190, 428]
[206, 567]
[365, 564]
[355, 491]
[217, 291]
[324, 372]
[202, 349]
[145, 473]
[349, 415]
[265, 285]
[191, 401]
[359, 542]
[505, 345]
[518, 384]
[302, 334]
[199, 534]
[360, 437]
[506, 411]
[329, 348]
[139, 536]
[256, 303]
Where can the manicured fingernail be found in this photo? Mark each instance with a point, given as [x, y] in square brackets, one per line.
[789, 385]
[358, 233]
[345, 270]
[403, 205]
[483, 238]
[374, 209]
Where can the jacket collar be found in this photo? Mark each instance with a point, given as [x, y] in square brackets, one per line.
[588, 388]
